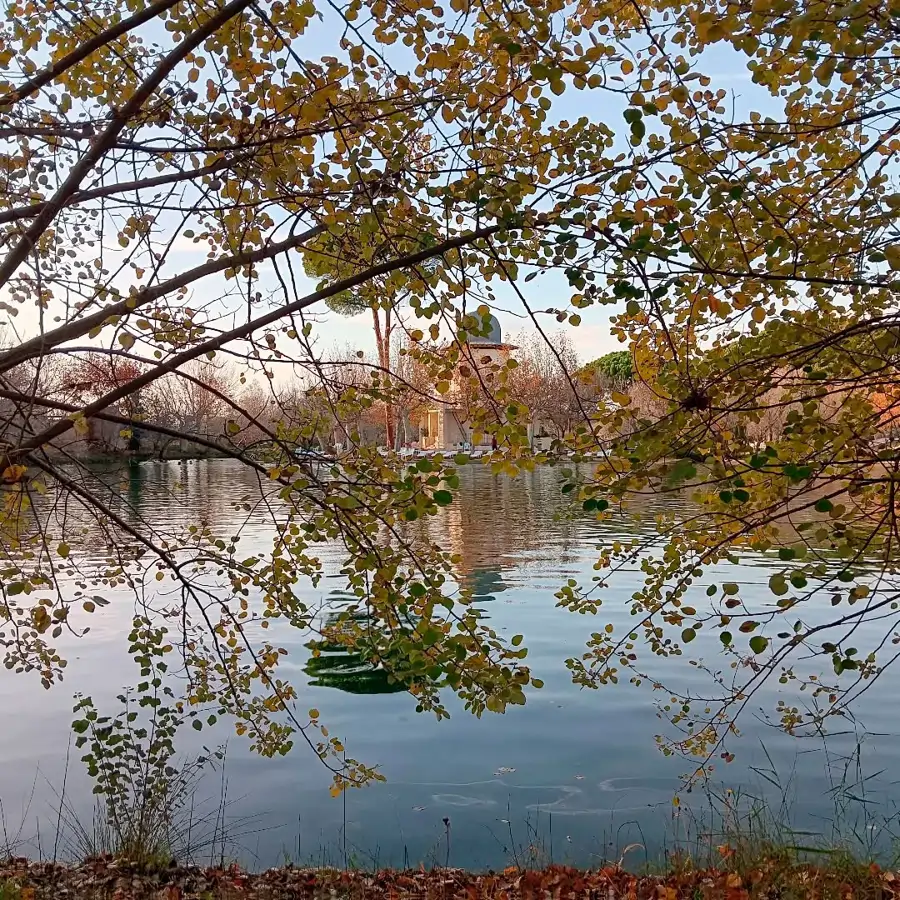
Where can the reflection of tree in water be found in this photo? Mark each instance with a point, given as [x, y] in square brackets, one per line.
[338, 667]
[136, 476]
[483, 583]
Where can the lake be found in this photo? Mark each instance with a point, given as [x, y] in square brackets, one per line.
[575, 775]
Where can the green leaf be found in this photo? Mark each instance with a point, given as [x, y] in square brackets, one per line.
[725, 638]
[758, 643]
[431, 636]
[517, 639]
[197, 725]
[688, 635]
[824, 505]
[683, 470]
[443, 498]
[778, 585]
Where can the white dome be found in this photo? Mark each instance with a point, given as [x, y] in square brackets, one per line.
[494, 336]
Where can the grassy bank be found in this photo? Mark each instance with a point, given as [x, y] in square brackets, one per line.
[777, 878]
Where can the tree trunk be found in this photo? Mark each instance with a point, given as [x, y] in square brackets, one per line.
[383, 345]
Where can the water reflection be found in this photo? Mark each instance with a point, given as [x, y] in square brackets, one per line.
[137, 475]
[333, 665]
[483, 583]
[336, 667]
[588, 759]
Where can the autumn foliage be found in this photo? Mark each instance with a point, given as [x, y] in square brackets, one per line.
[101, 879]
[172, 168]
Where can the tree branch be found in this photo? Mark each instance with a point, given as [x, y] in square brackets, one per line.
[53, 71]
[243, 331]
[107, 138]
[79, 327]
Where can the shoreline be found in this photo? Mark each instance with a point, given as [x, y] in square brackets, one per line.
[106, 878]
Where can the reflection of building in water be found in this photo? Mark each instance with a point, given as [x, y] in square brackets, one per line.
[472, 540]
[446, 425]
[495, 521]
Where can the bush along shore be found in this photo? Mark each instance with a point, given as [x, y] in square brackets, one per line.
[106, 878]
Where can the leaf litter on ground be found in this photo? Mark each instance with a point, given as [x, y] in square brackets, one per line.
[105, 878]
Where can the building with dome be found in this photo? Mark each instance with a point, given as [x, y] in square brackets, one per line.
[446, 426]
[494, 337]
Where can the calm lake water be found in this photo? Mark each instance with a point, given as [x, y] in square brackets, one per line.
[575, 773]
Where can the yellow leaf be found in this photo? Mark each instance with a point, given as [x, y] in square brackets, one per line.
[14, 473]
